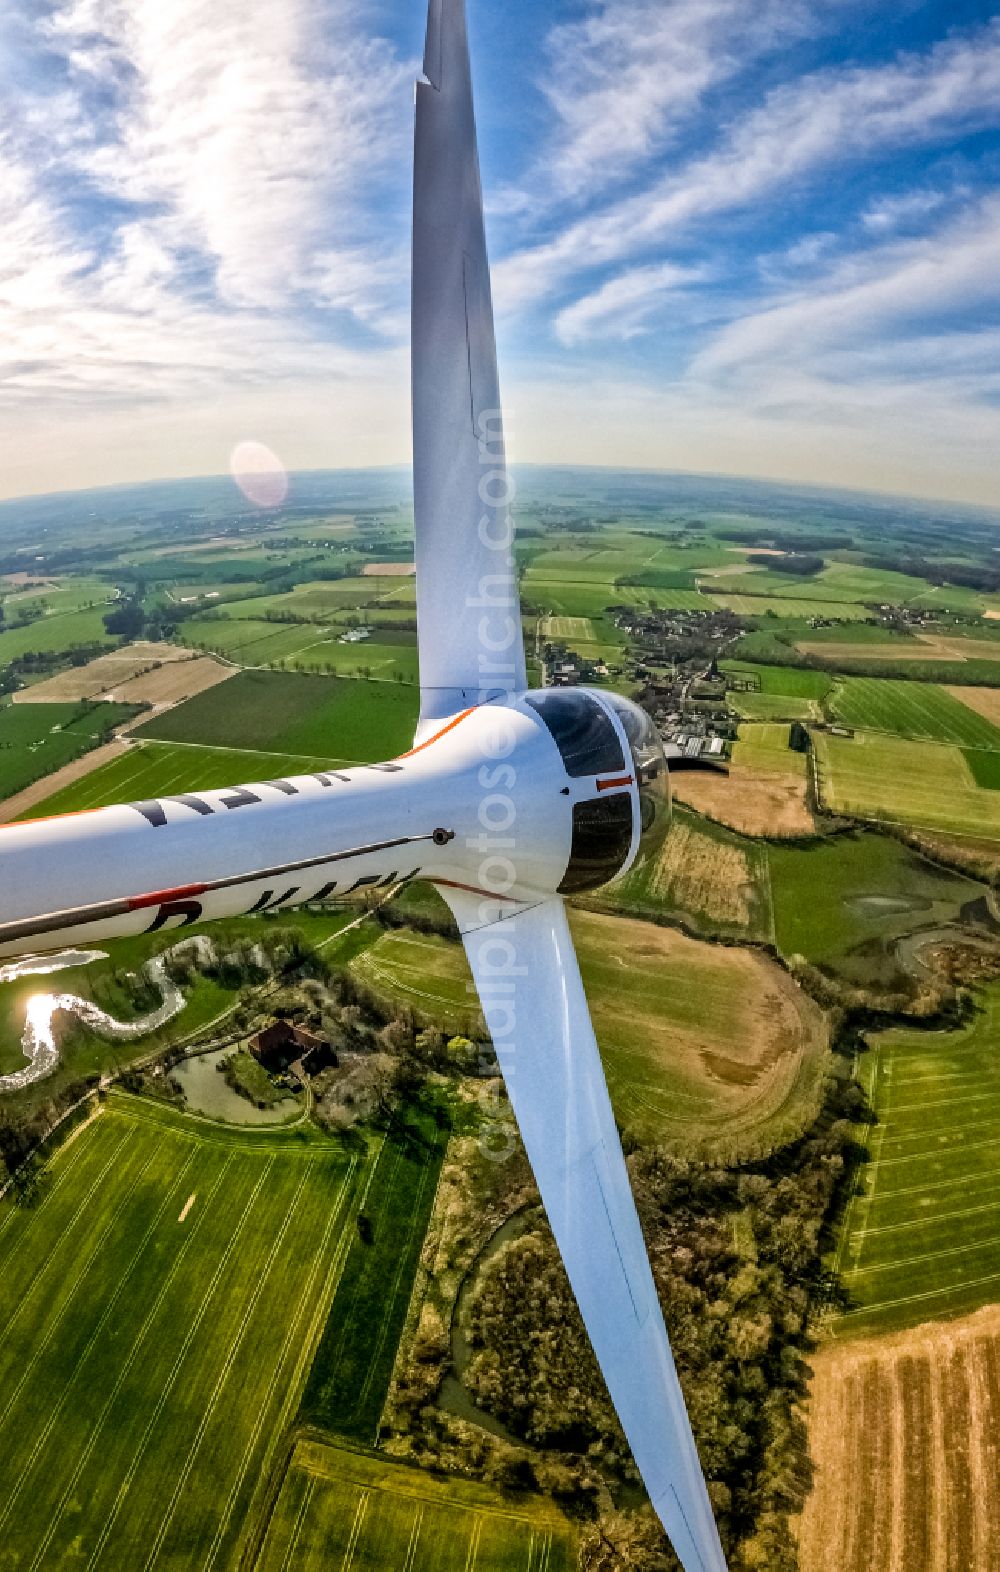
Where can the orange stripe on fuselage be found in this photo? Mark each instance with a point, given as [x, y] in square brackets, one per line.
[437, 735]
[52, 818]
[617, 780]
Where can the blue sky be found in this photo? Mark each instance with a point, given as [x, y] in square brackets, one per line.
[749, 236]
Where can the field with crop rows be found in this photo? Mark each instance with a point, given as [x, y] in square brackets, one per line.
[921, 1237]
[875, 775]
[342, 1510]
[903, 1433]
[910, 709]
[159, 1310]
[294, 713]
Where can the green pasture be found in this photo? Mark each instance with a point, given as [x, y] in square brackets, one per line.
[150, 1366]
[67, 594]
[340, 1509]
[53, 633]
[843, 903]
[910, 709]
[675, 1020]
[290, 712]
[877, 775]
[782, 692]
[304, 646]
[36, 739]
[764, 746]
[158, 769]
[921, 1236]
[350, 1375]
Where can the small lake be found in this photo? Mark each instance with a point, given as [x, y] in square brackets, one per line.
[207, 1092]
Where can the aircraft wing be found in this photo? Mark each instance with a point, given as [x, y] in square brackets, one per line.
[533, 1000]
[468, 611]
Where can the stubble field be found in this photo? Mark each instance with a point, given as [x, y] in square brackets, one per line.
[903, 1433]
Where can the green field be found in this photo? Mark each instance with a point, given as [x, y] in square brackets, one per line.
[304, 646]
[155, 769]
[763, 606]
[910, 709]
[70, 594]
[876, 775]
[843, 902]
[54, 633]
[287, 712]
[36, 739]
[764, 746]
[781, 692]
[347, 1386]
[149, 1365]
[921, 1237]
[688, 1030]
[340, 1510]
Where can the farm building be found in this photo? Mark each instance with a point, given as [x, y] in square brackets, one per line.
[284, 1046]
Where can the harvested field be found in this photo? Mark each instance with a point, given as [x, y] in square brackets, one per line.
[705, 875]
[388, 570]
[904, 1435]
[131, 676]
[985, 701]
[753, 801]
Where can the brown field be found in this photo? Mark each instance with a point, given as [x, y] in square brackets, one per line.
[755, 802]
[37, 581]
[924, 646]
[985, 701]
[158, 674]
[388, 570]
[904, 1433]
[705, 875]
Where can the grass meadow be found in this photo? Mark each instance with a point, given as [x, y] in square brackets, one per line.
[876, 775]
[704, 1045]
[294, 713]
[36, 739]
[921, 1237]
[339, 1509]
[159, 1309]
[157, 769]
[844, 901]
[910, 709]
[54, 632]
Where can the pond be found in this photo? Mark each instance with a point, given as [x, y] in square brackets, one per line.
[207, 1092]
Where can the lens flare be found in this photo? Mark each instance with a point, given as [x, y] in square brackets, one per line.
[259, 473]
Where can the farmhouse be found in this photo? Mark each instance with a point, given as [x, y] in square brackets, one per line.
[284, 1046]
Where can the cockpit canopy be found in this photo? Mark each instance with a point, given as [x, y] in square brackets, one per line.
[604, 826]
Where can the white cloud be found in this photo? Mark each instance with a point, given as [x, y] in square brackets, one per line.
[621, 79]
[830, 117]
[621, 307]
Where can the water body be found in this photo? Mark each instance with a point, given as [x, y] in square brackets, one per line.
[38, 1041]
[206, 1091]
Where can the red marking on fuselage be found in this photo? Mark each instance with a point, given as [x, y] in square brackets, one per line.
[616, 780]
[473, 889]
[183, 892]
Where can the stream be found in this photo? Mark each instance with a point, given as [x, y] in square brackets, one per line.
[38, 1041]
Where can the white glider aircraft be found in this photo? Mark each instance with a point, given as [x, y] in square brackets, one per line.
[508, 801]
